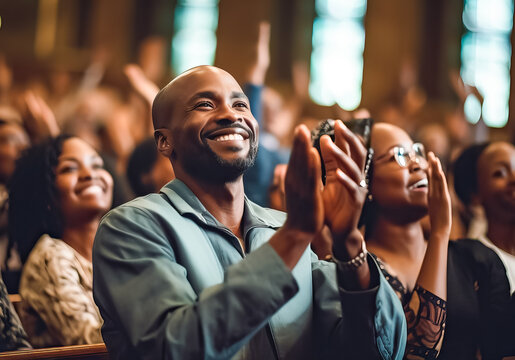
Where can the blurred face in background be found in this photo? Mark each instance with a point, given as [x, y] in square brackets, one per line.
[496, 181]
[13, 140]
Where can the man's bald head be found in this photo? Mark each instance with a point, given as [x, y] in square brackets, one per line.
[204, 125]
[162, 107]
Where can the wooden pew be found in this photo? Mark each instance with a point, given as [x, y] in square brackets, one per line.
[76, 352]
[16, 300]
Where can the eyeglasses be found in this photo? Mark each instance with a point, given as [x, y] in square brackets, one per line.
[404, 156]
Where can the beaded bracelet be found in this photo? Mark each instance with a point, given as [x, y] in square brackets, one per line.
[354, 263]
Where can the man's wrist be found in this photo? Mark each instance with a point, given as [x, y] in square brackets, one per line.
[297, 234]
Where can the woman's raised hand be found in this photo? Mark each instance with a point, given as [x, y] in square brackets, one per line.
[439, 200]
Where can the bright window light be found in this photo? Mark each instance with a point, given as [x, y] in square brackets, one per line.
[472, 109]
[194, 39]
[486, 57]
[337, 53]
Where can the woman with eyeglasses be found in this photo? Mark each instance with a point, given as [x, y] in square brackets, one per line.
[455, 294]
[418, 271]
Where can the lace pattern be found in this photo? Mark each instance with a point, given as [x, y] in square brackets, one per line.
[425, 315]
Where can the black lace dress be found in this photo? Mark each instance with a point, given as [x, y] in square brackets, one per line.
[478, 319]
[425, 313]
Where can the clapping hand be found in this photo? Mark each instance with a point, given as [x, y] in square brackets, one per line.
[345, 191]
[303, 186]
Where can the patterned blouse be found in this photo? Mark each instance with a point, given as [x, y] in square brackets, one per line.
[56, 287]
[425, 314]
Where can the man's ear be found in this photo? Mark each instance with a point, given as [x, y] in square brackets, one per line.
[164, 142]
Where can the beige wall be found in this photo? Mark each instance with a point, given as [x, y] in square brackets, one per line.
[393, 33]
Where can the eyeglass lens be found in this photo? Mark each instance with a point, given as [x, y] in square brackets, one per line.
[404, 156]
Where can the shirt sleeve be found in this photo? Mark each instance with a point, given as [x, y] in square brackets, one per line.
[425, 314]
[367, 324]
[255, 94]
[135, 267]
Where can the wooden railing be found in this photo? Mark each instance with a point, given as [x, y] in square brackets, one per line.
[76, 352]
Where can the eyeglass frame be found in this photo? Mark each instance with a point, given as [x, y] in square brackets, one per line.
[412, 154]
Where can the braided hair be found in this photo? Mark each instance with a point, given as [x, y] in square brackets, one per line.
[33, 198]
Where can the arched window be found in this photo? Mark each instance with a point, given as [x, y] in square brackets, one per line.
[194, 39]
[486, 58]
[337, 53]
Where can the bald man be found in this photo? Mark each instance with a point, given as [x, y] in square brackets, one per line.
[200, 272]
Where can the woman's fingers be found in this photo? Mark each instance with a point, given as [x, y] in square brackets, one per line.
[335, 158]
[436, 175]
[346, 181]
[344, 138]
[339, 137]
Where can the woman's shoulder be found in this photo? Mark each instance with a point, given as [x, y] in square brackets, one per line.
[49, 247]
[47, 251]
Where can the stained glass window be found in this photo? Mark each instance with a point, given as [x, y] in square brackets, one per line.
[194, 39]
[486, 58]
[337, 53]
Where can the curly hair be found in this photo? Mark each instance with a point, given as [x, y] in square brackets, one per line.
[141, 162]
[33, 198]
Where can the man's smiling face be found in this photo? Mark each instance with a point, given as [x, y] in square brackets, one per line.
[213, 132]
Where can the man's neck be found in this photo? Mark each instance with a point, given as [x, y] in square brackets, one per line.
[225, 201]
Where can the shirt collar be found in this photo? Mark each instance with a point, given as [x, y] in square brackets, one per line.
[186, 203]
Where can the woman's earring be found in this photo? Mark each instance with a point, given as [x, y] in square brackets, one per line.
[369, 197]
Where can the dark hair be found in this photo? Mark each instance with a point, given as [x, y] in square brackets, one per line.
[141, 162]
[465, 172]
[33, 201]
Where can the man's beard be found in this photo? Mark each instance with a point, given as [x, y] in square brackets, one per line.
[209, 167]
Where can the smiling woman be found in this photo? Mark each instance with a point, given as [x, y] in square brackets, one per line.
[58, 194]
[453, 293]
